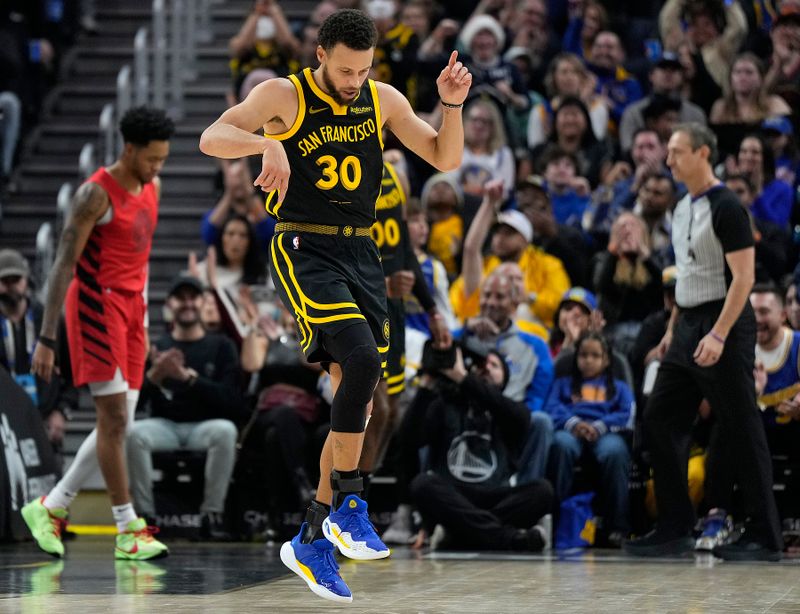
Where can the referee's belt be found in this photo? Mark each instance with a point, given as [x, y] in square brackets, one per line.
[323, 229]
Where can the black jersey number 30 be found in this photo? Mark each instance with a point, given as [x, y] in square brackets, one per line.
[348, 173]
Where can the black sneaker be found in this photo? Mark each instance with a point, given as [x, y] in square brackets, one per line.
[528, 540]
[657, 543]
[212, 527]
[746, 550]
[613, 540]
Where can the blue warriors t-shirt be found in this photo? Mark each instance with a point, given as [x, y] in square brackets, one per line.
[783, 378]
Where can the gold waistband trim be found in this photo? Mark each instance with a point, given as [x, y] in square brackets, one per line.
[322, 229]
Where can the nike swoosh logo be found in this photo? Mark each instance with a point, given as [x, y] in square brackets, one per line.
[312, 110]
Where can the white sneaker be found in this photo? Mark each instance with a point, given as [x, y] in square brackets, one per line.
[545, 528]
[399, 530]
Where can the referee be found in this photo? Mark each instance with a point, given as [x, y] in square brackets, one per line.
[708, 352]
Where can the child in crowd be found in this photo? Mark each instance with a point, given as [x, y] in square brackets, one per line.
[589, 409]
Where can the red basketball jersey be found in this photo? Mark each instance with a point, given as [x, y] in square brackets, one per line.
[116, 253]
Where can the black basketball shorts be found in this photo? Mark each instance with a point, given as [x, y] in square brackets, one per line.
[328, 283]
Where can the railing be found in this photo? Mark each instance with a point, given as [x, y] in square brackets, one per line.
[141, 67]
[159, 48]
[63, 201]
[189, 50]
[124, 90]
[173, 44]
[43, 260]
[108, 134]
[176, 58]
[124, 99]
[189, 23]
[86, 161]
[203, 31]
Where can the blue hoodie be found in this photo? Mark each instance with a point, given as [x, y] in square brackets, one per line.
[614, 414]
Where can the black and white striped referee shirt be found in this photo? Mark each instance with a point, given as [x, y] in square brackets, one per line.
[704, 229]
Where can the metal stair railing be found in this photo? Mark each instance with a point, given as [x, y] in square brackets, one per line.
[159, 48]
[141, 67]
[176, 38]
[86, 161]
[63, 201]
[108, 134]
[43, 258]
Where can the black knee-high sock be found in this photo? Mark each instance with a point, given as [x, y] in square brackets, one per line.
[345, 483]
[315, 514]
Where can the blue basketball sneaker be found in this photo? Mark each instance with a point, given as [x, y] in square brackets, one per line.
[350, 530]
[717, 531]
[316, 564]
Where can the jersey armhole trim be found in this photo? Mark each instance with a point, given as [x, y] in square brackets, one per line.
[301, 112]
[376, 102]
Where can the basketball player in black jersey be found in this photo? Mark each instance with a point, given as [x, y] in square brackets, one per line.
[403, 277]
[323, 129]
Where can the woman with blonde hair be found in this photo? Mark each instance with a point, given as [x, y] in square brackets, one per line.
[566, 77]
[627, 280]
[746, 100]
[486, 151]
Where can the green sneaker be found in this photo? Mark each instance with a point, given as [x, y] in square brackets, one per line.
[138, 577]
[45, 525]
[46, 580]
[138, 543]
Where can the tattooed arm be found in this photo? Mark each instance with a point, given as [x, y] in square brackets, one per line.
[89, 205]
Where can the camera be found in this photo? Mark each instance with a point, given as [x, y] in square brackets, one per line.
[435, 360]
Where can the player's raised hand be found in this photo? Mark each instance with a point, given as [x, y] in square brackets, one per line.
[454, 81]
[274, 170]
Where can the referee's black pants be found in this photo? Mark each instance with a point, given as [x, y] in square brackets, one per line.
[730, 389]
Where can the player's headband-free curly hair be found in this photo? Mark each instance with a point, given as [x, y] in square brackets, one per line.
[140, 125]
[353, 28]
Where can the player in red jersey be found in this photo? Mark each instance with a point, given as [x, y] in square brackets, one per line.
[101, 271]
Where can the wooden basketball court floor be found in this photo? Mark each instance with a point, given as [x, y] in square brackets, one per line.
[222, 578]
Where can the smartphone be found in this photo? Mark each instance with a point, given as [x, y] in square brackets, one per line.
[653, 49]
[434, 359]
[265, 28]
[35, 51]
[265, 300]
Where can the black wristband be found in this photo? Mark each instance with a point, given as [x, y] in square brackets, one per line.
[47, 342]
[448, 105]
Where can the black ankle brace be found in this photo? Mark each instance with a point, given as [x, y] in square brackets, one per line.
[345, 483]
[315, 515]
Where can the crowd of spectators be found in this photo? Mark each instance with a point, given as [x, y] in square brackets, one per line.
[34, 36]
[548, 251]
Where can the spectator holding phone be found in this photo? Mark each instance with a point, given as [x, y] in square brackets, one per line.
[265, 40]
[627, 280]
